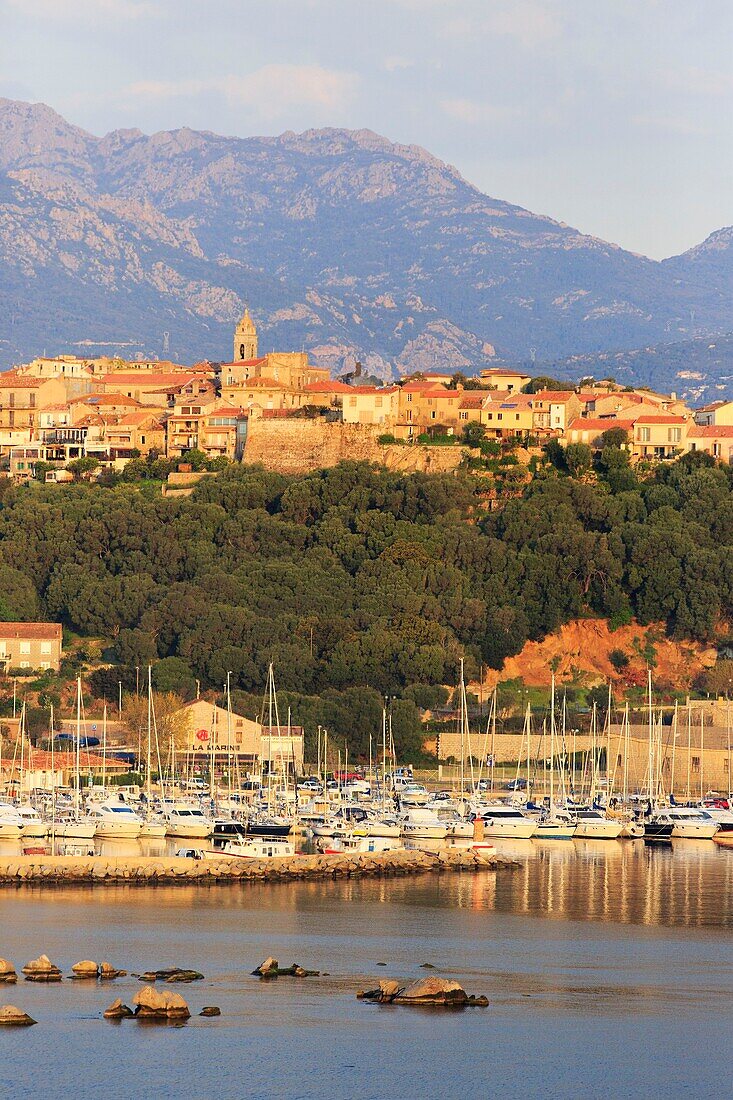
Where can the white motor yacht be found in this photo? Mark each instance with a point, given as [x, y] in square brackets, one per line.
[186, 820]
[257, 847]
[355, 843]
[594, 825]
[421, 824]
[501, 820]
[688, 822]
[11, 823]
[33, 824]
[413, 794]
[719, 813]
[115, 819]
[71, 827]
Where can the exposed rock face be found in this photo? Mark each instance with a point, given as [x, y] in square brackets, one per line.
[341, 241]
[10, 1016]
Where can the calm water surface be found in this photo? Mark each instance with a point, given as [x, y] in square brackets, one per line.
[609, 968]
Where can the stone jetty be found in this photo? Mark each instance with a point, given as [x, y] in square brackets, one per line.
[48, 870]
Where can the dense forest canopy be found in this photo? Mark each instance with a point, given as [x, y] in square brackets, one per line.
[358, 582]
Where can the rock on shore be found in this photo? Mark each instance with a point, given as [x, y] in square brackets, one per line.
[140, 870]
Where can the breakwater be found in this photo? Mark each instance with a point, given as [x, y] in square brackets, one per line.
[145, 870]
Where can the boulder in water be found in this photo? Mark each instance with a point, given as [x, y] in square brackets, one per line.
[7, 973]
[108, 973]
[432, 991]
[10, 1016]
[210, 1010]
[268, 968]
[118, 1011]
[152, 1005]
[85, 969]
[41, 970]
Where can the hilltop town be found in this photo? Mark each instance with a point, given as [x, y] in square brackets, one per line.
[67, 417]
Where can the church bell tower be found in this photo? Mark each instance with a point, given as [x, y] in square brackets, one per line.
[245, 339]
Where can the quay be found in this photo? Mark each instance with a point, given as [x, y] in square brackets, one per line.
[47, 870]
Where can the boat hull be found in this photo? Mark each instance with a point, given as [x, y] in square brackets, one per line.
[689, 831]
[554, 831]
[191, 831]
[598, 830]
[76, 830]
[509, 830]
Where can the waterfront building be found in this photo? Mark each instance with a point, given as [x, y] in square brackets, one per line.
[213, 735]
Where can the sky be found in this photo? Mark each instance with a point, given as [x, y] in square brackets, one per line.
[614, 116]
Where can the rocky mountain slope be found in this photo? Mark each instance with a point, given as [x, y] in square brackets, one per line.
[340, 241]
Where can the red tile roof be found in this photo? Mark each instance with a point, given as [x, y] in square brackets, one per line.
[328, 387]
[37, 631]
[556, 396]
[652, 419]
[598, 424]
[710, 431]
[11, 380]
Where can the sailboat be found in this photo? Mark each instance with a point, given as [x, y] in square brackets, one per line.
[74, 825]
[556, 823]
[153, 825]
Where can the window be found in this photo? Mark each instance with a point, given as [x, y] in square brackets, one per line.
[674, 435]
[516, 416]
[45, 647]
[142, 438]
[696, 763]
[500, 416]
[463, 416]
[25, 647]
[433, 415]
[377, 402]
[409, 415]
[409, 397]
[33, 401]
[644, 435]
[45, 664]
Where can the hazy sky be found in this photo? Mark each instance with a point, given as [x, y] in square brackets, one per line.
[612, 115]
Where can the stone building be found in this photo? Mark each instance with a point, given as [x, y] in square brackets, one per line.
[30, 645]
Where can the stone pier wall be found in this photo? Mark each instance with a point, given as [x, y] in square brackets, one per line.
[150, 871]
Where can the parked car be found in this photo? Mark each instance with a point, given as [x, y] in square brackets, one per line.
[516, 785]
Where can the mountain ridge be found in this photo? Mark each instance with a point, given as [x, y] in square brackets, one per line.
[341, 241]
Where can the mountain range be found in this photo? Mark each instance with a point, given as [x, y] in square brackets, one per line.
[341, 242]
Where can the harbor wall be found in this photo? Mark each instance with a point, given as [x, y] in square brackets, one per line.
[46, 870]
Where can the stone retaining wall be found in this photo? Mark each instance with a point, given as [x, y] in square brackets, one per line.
[299, 446]
[138, 870]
